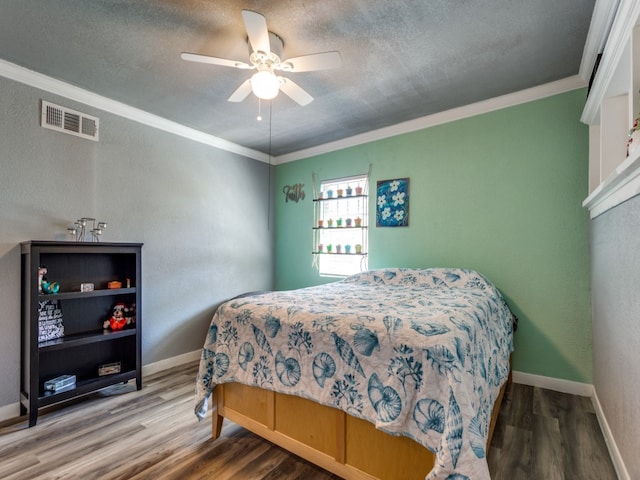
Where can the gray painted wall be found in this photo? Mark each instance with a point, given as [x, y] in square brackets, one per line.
[615, 261]
[202, 214]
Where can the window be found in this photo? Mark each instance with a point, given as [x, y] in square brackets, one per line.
[340, 229]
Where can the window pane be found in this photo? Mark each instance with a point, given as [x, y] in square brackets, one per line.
[341, 239]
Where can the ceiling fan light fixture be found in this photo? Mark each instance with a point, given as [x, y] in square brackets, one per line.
[265, 85]
[265, 55]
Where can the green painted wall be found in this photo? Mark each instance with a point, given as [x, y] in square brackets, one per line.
[500, 193]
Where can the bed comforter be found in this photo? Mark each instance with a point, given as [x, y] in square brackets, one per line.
[418, 352]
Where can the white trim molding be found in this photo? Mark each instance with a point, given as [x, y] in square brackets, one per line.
[604, 12]
[556, 384]
[9, 412]
[51, 85]
[621, 185]
[167, 363]
[12, 411]
[48, 84]
[479, 108]
[626, 15]
[614, 453]
[583, 390]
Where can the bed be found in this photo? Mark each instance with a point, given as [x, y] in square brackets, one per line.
[391, 373]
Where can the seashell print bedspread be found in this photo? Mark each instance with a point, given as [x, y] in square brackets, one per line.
[418, 352]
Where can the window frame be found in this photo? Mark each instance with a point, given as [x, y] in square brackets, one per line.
[342, 264]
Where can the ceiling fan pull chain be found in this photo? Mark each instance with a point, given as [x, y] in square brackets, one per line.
[259, 117]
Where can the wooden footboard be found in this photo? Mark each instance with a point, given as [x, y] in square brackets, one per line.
[324, 435]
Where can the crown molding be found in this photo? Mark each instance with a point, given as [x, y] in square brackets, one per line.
[604, 13]
[51, 85]
[485, 106]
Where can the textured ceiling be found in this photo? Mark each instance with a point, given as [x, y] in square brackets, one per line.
[402, 59]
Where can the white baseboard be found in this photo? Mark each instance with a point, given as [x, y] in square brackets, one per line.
[167, 363]
[616, 458]
[565, 386]
[556, 384]
[11, 411]
[584, 390]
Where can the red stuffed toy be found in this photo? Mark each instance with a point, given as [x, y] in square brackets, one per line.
[119, 318]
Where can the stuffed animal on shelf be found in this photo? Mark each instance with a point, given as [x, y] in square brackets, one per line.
[42, 277]
[131, 314]
[119, 318]
[44, 286]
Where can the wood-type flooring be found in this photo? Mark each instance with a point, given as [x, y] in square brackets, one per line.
[122, 433]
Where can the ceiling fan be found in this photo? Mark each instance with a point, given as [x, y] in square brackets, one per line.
[266, 57]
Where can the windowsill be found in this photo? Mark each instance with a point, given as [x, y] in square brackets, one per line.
[621, 185]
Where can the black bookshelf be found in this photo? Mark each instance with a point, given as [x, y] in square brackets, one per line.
[86, 345]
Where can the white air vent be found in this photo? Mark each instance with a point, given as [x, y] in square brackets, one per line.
[66, 120]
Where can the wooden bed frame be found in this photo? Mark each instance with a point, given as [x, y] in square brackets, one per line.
[325, 436]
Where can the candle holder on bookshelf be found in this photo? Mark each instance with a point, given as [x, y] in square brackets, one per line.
[80, 230]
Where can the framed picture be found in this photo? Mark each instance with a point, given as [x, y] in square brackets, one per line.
[50, 325]
[392, 203]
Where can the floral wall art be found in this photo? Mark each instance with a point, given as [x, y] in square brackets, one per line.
[392, 203]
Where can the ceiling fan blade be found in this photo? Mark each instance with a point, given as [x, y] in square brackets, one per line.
[257, 31]
[241, 92]
[295, 92]
[315, 61]
[194, 57]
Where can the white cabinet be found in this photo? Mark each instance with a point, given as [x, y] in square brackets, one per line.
[612, 106]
